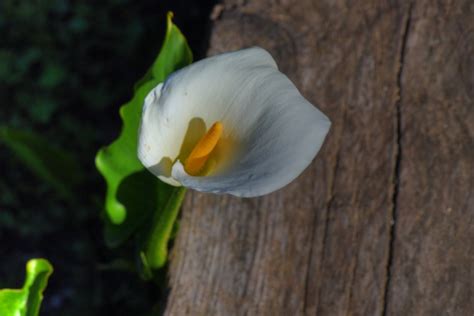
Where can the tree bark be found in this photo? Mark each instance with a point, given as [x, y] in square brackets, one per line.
[382, 222]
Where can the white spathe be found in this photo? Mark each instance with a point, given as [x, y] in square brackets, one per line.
[278, 130]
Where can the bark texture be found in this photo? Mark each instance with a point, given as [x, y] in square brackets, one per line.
[382, 222]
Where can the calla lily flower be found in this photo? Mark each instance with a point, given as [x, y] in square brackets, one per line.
[230, 123]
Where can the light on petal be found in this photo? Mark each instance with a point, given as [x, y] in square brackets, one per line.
[231, 123]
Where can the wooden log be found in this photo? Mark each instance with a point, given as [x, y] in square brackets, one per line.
[382, 222]
[433, 257]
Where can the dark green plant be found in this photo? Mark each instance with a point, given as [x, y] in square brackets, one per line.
[133, 194]
[57, 166]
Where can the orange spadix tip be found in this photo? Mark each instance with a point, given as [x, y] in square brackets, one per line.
[200, 154]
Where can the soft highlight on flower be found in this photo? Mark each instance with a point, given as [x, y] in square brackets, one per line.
[231, 123]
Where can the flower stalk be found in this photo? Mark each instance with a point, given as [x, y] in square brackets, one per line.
[156, 250]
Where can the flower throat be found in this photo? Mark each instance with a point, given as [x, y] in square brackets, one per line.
[203, 149]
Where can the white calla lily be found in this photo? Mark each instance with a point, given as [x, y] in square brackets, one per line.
[231, 123]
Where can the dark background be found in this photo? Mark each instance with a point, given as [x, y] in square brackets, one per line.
[65, 69]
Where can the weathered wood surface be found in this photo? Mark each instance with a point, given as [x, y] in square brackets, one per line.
[382, 222]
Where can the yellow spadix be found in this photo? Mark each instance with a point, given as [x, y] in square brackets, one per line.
[203, 149]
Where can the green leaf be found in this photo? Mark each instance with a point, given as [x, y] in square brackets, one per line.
[131, 191]
[51, 164]
[27, 301]
[141, 194]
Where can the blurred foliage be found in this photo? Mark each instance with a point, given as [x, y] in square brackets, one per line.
[27, 301]
[52, 164]
[65, 67]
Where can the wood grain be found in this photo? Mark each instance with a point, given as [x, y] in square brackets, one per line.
[433, 257]
[382, 220]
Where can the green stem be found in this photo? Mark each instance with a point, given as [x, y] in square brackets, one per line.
[156, 251]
